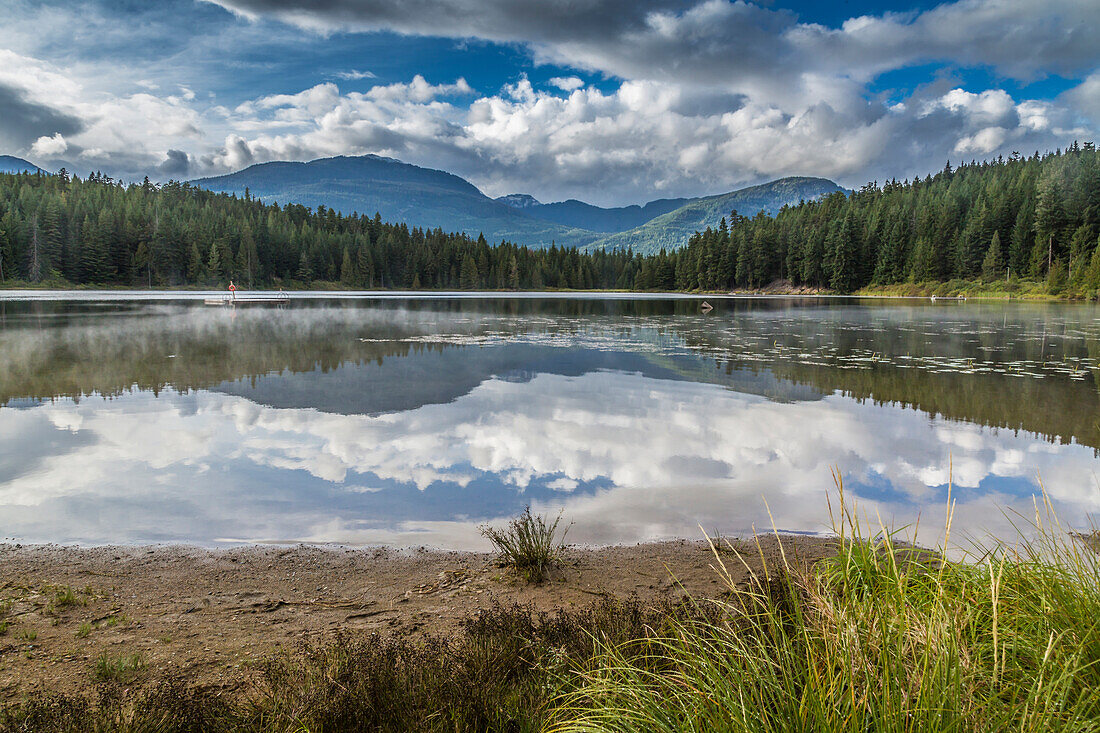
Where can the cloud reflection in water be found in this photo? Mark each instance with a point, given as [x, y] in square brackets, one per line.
[627, 456]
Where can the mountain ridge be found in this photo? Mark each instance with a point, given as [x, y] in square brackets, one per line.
[402, 192]
[583, 215]
[673, 229]
[12, 164]
[429, 198]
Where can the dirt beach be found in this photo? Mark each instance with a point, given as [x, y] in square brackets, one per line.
[211, 615]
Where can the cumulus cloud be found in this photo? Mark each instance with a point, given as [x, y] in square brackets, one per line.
[717, 39]
[50, 147]
[567, 83]
[714, 94]
[50, 112]
[699, 96]
[1086, 98]
[642, 138]
[25, 121]
[175, 165]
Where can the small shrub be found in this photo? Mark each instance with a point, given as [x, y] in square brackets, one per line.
[119, 670]
[84, 631]
[529, 545]
[28, 634]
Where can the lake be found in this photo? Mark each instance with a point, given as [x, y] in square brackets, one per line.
[411, 419]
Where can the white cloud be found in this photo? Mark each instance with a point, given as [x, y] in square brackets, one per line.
[643, 138]
[707, 41]
[50, 147]
[355, 75]
[567, 83]
[706, 95]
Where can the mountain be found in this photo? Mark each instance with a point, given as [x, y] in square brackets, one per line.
[427, 198]
[519, 201]
[11, 164]
[573, 213]
[400, 192]
[672, 230]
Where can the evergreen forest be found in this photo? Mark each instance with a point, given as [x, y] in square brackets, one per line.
[1034, 218]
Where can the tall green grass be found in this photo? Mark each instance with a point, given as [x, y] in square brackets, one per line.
[880, 638]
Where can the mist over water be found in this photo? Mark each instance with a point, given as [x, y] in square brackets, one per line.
[411, 420]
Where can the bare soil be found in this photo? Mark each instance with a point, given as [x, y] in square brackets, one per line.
[212, 615]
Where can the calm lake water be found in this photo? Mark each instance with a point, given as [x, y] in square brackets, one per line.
[410, 421]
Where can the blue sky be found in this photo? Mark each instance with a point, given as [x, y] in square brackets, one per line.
[611, 101]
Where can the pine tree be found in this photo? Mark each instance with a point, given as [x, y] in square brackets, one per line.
[842, 264]
[347, 270]
[993, 265]
[513, 273]
[468, 279]
[304, 272]
[36, 264]
[214, 262]
[195, 268]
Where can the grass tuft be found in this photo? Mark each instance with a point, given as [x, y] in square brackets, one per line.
[65, 597]
[529, 545]
[121, 670]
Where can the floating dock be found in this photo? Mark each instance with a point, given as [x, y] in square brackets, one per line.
[233, 299]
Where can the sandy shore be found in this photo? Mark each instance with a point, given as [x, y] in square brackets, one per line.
[211, 615]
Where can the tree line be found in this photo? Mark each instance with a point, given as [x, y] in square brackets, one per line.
[60, 229]
[1036, 217]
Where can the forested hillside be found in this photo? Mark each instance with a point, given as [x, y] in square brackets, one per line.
[673, 230]
[1035, 217]
[61, 229]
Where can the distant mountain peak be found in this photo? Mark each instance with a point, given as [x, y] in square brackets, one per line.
[11, 164]
[519, 200]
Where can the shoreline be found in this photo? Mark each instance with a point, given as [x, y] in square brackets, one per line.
[46, 294]
[215, 615]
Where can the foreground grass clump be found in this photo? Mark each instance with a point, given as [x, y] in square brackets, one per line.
[881, 638]
[502, 671]
[118, 670]
[529, 545]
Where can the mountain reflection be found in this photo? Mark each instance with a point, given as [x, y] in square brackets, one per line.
[412, 422]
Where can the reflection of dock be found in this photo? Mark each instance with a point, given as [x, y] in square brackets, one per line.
[233, 299]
